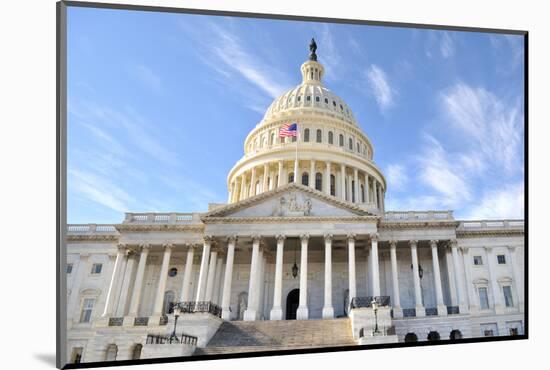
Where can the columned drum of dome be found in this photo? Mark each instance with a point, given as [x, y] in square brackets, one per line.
[329, 139]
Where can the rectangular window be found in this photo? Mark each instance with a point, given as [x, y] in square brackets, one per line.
[69, 268]
[507, 290]
[478, 261]
[483, 298]
[96, 268]
[488, 332]
[501, 259]
[87, 308]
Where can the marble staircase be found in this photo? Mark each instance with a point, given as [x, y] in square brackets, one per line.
[252, 336]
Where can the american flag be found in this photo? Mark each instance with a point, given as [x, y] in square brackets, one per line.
[288, 129]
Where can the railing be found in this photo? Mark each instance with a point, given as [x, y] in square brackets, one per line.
[418, 215]
[116, 321]
[201, 306]
[169, 339]
[141, 321]
[162, 218]
[409, 312]
[91, 229]
[358, 302]
[432, 311]
[452, 310]
[489, 225]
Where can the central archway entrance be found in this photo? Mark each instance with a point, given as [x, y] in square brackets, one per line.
[292, 303]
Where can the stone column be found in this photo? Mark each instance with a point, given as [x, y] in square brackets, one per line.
[258, 294]
[357, 187]
[264, 179]
[217, 280]
[451, 276]
[441, 307]
[312, 174]
[469, 292]
[459, 281]
[226, 295]
[211, 276]
[518, 282]
[277, 310]
[123, 299]
[272, 184]
[343, 182]
[375, 192]
[243, 187]
[368, 271]
[187, 274]
[252, 183]
[327, 179]
[497, 292]
[420, 310]
[303, 313]
[328, 310]
[351, 267]
[375, 265]
[251, 311]
[159, 300]
[280, 175]
[397, 310]
[109, 301]
[136, 295]
[203, 273]
[367, 188]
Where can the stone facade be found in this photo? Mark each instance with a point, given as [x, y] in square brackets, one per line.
[310, 249]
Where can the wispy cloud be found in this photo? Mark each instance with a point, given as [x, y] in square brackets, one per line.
[447, 45]
[491, 127]
[441, 174]
[397, 176]
[381, 88]
[146, 76]
[231, 50]
[329, 55]
[507, 202]
[99, 190]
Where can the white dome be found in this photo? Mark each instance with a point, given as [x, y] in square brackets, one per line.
[313, 96]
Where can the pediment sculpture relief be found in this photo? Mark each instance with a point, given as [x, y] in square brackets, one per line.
[291, 206]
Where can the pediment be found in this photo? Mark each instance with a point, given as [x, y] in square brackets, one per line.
[291, 200]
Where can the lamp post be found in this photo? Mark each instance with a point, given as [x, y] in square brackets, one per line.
[374, 305]
[177, 312]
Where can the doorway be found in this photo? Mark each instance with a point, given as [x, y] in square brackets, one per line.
[292, 303]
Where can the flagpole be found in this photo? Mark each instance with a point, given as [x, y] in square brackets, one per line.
[296, 160]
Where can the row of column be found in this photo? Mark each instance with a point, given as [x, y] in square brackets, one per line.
[347, 188]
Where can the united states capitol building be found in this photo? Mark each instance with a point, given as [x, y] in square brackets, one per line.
[303, 255]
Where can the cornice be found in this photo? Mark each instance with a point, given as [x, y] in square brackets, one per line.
[478, 233]
[397, 225]
[92, 237]
[304, 219]
[159, 227]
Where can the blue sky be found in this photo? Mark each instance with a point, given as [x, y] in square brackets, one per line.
[159, 106]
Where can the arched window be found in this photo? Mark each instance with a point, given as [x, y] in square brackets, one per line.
[353, 191]
[411, 337]
[319, 181]
[433, 336]
[332, 185]
[330, 137]
[319, 136]
[358, 147]
[169, 299]
[268, 184]
[362, 193]
[306, 135]
[305, 179]
[111, 352]
[272, 139]
[455, 334]
[242, 305]
[350, 144]
[341, 140]
[291, 177]
[136, 352]
[257, 188]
